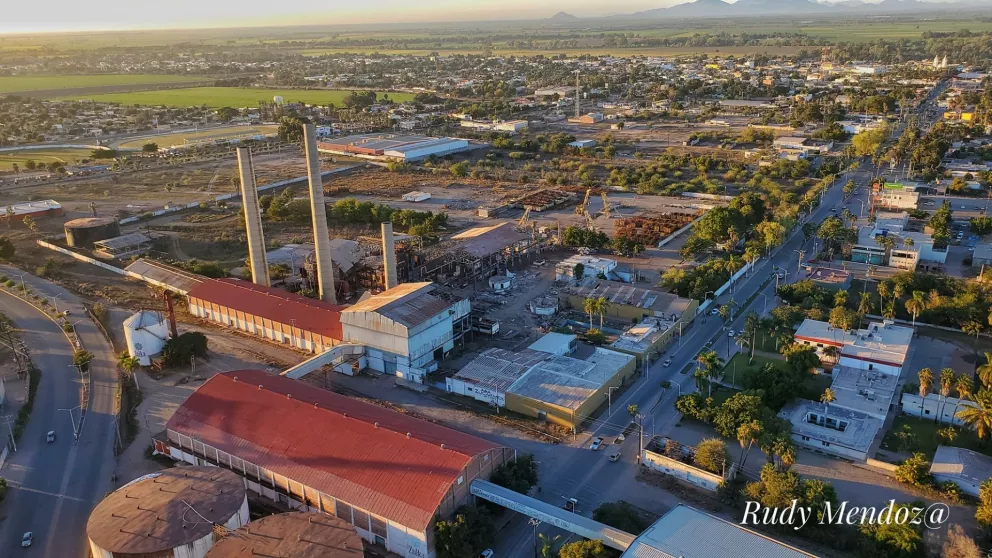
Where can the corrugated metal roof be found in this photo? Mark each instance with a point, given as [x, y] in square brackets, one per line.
[686, 532]
[482, 241]
[273, 304]
[408, 304]
[498, 368]
[177, 279]
[388, 463]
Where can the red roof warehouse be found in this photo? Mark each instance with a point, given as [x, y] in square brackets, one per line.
[387, 473]
[282, 316]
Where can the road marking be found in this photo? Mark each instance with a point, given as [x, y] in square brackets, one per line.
[19, 486]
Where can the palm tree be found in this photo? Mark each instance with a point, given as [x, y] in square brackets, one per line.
[127, 363]
[602, 305]
[933, 300]
[907, 242]
[979, 417]
[710, 363]
[752, 323]
[633, 409]
[547, 548]
[985, 371]
[946, 383]
[864, 305]
[915, 305]
[883, 292]
[747, 434]
[964, 386]
[897, 291]
[828, 397]
[589, 305]
[840, 298]
[972, 327]
[925, 376]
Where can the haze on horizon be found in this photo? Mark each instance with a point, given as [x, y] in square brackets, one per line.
[71, 15]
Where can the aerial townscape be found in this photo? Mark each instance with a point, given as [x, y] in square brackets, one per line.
[496, 279]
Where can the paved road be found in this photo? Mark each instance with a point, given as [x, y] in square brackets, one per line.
[589, 476]
[54, 487]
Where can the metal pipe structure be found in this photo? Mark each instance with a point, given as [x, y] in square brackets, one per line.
[253, 220]
[318, 211]
[389, 256]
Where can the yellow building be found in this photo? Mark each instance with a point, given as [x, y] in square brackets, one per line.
[568, 391]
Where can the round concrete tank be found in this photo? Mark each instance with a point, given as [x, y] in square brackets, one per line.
[82, 233]
[168, 513]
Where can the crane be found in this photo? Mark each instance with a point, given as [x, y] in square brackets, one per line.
[581, 208]
[523, 218]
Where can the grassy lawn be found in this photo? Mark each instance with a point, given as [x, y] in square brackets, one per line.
[68, 156]
[236, 97]
[20, 84]
[167, 140]
[924, 437]
[741, 363]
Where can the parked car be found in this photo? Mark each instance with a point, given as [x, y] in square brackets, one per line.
[714, 311]
[27, 539]
[614, 457]
[596, 442]
[50, 437]
[487, 553]
[731, 333]
[667, 363]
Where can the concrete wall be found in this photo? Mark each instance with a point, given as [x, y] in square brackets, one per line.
[913, 405]
[833, 448]
[693, 475]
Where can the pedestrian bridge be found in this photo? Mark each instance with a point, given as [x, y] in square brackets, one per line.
[334, 356]
[552, 515]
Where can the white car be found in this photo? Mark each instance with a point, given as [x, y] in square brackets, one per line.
[487, 553]
[731, 333]
[714, 311]
[667, 363]
[596, 442]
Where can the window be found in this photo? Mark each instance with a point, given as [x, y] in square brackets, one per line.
[825, 444]
[379, 529]
[461, 479]
[805, 438]
[926, 411]
[361, 519]
[871, 367]
[344, 511]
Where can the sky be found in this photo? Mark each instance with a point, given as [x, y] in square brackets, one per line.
[18, 16]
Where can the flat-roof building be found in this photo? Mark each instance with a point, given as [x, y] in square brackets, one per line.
[559, 344]
[686, 532]
[403, 147]
[963, 467]
[831, 429]
[487, 377]
[882, 346]
[386, 473]
[833, 279]
[567, 391]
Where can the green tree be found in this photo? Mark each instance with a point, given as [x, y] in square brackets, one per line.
[984, 371]
[150, 147]
[946, 380]
[469, 532]
[179, 351]
[578, 549]
[979, 417]
[712, 455]
[518, 475]
[7, 249]
[710, 365]
[620, 515]
[126, 362]
[925, 376]
[984, 512]
[291, 129]
[591, 306]
[916, 304]
[828, 397]
[802, 358]
[915, 471]
[892, 539]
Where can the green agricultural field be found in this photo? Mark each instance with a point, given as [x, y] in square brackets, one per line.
[68, 156]
[592, 51]
[237, 97]
[23, 84]
[230, 132]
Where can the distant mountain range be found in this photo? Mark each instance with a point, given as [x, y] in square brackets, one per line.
[719, 8]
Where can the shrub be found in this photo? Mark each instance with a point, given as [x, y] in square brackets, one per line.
[178, 351]
[915, 471]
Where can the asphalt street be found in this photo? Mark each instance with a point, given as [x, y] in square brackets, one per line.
[53, 487]
[588, 475]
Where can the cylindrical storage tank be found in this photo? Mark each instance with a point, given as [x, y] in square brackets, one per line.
[300, 534]
[168, 514]
[82, 233]
[145, 334]
[500, 283]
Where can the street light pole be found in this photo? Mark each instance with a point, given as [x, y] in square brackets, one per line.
[55, 302]
[75, 432]
[536, 523]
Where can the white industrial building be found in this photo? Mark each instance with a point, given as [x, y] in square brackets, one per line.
[558, 344]
[145, 333]
[965, 468]
[407, 148]
[405, 329]
[144, 518]
[591, 267]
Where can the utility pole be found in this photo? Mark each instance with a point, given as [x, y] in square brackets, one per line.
[10, 429]
[799, 268]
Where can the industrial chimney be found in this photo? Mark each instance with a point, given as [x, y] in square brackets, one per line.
[389, 256]
[321, 242]
[253, 221]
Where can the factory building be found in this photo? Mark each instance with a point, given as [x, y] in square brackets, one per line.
[275, 314]
[33, 209]
[406, 148]
[406, 329]
[295, 534]
[560, 389]
[388, 474]
[147, 518]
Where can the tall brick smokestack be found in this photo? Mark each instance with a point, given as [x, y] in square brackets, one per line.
[253, 221]
[321, 242]
[389, 256]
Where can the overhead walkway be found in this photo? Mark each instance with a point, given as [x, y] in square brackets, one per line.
[335, 356]
[553, 515]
